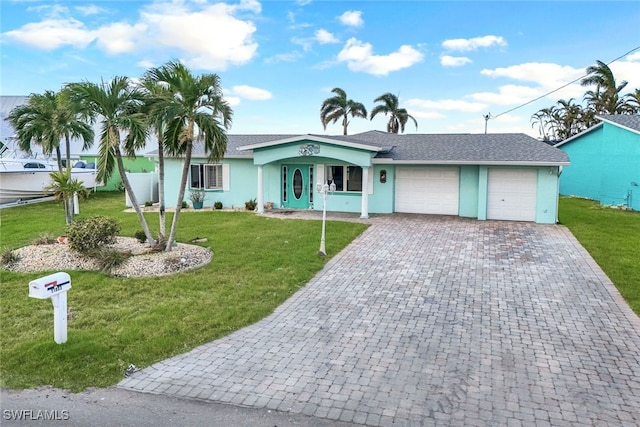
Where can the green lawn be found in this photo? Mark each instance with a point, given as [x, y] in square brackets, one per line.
[612, 237]
[258, 263]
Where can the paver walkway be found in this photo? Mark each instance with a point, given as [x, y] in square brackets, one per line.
[427, 320]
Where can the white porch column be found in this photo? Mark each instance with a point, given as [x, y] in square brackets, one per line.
[364, 210]
[260, 194]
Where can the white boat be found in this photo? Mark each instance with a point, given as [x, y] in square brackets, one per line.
[27, 178]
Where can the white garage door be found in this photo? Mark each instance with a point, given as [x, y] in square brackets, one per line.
[428, 190]
[511, 194]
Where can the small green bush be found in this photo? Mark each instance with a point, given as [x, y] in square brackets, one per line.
[108, 258]
[9, 257]
[140, 236]
[184, 204]
[45, 239]
[148, 203]
[92, 233]
[218, 205]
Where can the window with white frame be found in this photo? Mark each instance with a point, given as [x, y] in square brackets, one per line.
[206, 177]
[346, 178]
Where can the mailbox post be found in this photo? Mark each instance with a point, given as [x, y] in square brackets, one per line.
[54, 286]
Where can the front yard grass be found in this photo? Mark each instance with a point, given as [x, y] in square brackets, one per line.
[258, 263]
[612, 237]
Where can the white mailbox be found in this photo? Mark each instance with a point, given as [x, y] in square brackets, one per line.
[54, 286]
[46, 287]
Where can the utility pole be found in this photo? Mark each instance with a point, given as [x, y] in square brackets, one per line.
[486, 120]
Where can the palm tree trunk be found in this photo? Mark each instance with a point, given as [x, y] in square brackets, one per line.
[132, 197]
[161, 202]
[183, 184]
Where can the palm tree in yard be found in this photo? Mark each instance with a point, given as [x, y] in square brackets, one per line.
[633, 102]
[192, 109]
[339, 107]
[606, 98]
[398, 117]
[118, 104]
[154, 93]
[45, 120]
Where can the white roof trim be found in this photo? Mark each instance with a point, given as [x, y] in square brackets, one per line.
[467, 162]
[313, 138]
[618, 125]
[584, 132]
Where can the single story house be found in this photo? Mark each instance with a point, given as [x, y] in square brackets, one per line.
[485, 176]
[605, 162]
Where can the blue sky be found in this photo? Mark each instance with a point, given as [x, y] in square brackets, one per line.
[449, 62]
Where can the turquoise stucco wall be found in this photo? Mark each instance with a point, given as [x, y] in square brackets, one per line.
[604, 165]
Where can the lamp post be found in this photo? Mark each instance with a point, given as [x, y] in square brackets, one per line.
[324, 189]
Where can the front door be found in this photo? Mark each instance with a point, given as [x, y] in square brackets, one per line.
[296, 187]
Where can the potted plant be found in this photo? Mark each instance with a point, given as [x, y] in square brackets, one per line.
[197, 198]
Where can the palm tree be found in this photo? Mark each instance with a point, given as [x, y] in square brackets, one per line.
[47, 118]
[193, 108]
[632, 101]
[64, 188]
[606, 98]
[339, 107]
[118, 104]
[154, 92]
[398, 117]
[44, 120]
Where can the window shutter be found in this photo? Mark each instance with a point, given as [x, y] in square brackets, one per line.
[319, 172]
[225, 176]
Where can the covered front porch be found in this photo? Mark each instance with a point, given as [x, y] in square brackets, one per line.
[289, 170]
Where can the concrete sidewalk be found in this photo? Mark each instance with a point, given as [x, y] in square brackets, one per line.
[427, 320]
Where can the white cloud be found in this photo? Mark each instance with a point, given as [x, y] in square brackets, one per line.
[446, 104]
[628, 71]
[233, 101]
[633, 57]
[145, 63]
[91, 9]
[454, 61]
[465, 45]
[252, 93]
[545, 74]
[508, 95]
[360, 58]
[51, 34]
[119, 37]
[211, 38]
[325, 37]
[352, 18]
[284, 57]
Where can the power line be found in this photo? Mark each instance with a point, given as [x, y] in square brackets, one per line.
[489, 116]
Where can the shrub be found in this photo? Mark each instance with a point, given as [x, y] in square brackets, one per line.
[140, 236]
[218, 205]
[45, 239]
[250, 205]
[148, 203]
[92, 233]
[108, 258]
[184, 205]
[9, 257]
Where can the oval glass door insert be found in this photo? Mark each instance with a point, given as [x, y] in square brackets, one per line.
[297, 184]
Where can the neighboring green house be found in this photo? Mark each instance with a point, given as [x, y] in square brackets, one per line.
[495, 176]
[139, 164]
[605, 162]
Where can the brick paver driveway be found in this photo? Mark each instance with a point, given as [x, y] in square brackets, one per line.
[429, 320]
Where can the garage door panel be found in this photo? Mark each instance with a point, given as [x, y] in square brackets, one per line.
[430, 190]
[511, 194]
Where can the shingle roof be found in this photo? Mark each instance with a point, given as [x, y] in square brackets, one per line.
[627, 120]
[432, 148]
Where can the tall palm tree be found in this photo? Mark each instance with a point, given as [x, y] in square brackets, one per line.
[606, 98]
[398, 117]
[46, 119]
[118, 105]
[632, 100]
[154, 93]
[339, 107]
[193, 108]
